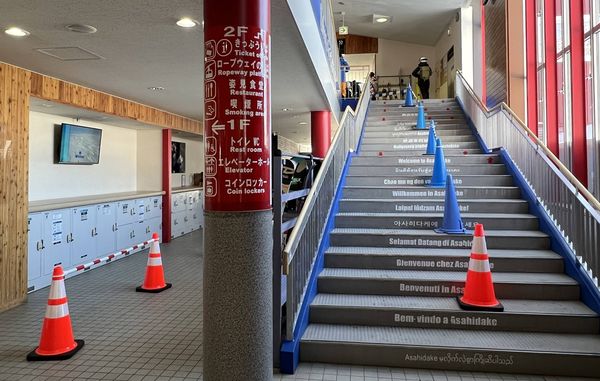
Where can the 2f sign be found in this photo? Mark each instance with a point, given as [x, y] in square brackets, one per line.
[230, 31]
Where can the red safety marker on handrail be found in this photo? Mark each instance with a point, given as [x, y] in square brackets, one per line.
[109, 258]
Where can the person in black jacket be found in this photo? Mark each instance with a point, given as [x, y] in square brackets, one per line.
[423, 72]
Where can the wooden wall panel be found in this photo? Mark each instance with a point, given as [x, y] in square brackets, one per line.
[56, 90]
[360, 44]
[14, 176]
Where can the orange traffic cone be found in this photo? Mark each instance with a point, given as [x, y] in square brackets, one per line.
[479, 289]
[56, 341]
[155, 276]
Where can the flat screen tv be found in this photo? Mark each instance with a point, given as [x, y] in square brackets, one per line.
[79, 145]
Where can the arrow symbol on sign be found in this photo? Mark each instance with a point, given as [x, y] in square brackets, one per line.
[217, 127]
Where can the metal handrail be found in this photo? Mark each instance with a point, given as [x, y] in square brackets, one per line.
[561, 167]
[293, 241]
[301, 251]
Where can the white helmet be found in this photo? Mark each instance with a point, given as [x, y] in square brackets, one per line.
[423, 59]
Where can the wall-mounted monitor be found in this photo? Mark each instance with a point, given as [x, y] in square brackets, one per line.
[79, 145]
[177, 157]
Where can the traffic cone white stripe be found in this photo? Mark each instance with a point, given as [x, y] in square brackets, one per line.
[479, 245]
[479, 265]
[57, 312]
[57, 289]
[155, 248]
[154, 261]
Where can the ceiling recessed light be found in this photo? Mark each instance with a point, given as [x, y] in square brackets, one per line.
[81, 28]
[156, 88]
[302, 123]
[286, 109]
[381, 20]
[187, 22]
[17, 32]
[47, 105]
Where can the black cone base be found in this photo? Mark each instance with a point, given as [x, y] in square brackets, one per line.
[32, 356]
[469, 307]
[154, 291]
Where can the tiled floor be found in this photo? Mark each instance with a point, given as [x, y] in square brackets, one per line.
[136, 336]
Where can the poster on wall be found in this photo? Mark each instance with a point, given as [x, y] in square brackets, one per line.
[177, 157]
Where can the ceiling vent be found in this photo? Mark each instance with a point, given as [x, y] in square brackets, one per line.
[70, 53]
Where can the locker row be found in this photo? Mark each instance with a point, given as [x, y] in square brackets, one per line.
[186, 212]
[73, 236]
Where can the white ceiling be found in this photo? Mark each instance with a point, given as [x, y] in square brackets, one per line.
[413, 21]
[142, 47]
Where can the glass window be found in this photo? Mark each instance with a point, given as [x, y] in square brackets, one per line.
[541, 106]
[563, 81]
[541, 70]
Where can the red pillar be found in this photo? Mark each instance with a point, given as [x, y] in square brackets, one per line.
[551, 86]
[238, 234]
[532, 104]
[579, 147]
[320, 132]
[166, 185]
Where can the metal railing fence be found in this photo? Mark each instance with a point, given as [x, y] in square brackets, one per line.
[301, 251]
[572, 207]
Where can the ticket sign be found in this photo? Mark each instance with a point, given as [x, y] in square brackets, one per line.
[237, 116]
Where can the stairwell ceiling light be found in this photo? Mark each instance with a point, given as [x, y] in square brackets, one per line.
[381, 19]
[17, 32]
[187, 22]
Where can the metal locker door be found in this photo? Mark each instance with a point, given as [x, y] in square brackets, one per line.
[57, 237]
[155, 225]
[126, 212]
[106, 229]
[35, 246]
[154, 207]
[83, 245]
[124, 236]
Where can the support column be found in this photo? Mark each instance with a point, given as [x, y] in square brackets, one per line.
[167, 134]
[320, 132]
[238, 236]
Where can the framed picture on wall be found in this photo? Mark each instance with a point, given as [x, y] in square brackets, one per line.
[177, 157]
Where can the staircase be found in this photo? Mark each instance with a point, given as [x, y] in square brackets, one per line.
[386, 296]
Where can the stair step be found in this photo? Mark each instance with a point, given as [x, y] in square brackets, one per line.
[491, 221]
[408, 125]
[443, 133]
[473, 351]
[418, 138]
[405, 192]
[538, 286]
[465, 169]
[385, 258]
[421, 159]
[495, 239]
[443, 313]
[417, 152]
[439, 117]
[433, 205]
[417, 146]
[467, 180]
